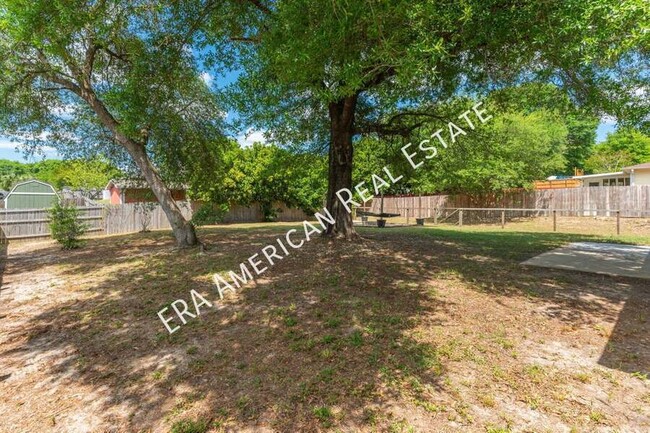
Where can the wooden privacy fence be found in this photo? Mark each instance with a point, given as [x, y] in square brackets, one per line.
[128, 218]
[125, 218]
[109, 220]
[631, 201]
[136, 217]
[557, 184]
[34, 223]
[250, 214]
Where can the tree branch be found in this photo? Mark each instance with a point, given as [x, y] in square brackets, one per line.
[387, 130]
[377, 76]
[258, 4]
[417, 114]
[115, 55]
[199, 20]
[253, 40]
[66, 83]
[51, 89]
[393, 127]
[89, 61]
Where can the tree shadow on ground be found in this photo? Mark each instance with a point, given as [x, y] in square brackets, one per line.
[628, 347]
[3, 265]
[4, 295]
[327, 337]
[311, 344]
[491, 263]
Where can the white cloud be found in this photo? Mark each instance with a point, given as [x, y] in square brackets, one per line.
[5, 143]
[251, 136]
[608, 120]
[207, 78]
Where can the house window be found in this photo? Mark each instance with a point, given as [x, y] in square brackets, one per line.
[621, 181]
[594, 184]
[627, 181]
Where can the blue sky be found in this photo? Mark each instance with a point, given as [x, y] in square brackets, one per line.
[604, 128]
[217, 81]
[8, 149]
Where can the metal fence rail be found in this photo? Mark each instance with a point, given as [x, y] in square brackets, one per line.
[479, 215]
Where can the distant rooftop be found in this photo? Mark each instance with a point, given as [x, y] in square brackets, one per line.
[645, 165]
[624, 171]
[592, 176]
[138, 184]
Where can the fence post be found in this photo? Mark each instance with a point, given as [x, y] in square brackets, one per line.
[554, 220]
[435, 216]
[503, 219]
[407, 216]
[460, 218]
[618, 222]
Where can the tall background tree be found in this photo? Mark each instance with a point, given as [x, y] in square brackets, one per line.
[265, 174]
[581, 124]
[622, 148]
[324, 73]
[510, 153]
[517, 147]
[75, 174]
[112, 77]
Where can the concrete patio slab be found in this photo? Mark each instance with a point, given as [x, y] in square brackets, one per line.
[599, 258]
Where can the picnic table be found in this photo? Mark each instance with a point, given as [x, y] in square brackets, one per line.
[381, 222]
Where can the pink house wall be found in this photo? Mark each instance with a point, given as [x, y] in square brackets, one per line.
[115, 195]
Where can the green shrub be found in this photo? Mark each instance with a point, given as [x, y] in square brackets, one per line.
[209, 214]
[65, 225]
[269, 212]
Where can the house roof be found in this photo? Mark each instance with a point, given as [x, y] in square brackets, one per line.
[25, 182]
[592, 176]
[645, 165]
[138, 184]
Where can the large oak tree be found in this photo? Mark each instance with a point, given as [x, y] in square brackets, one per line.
[323, 73]
[113, 77]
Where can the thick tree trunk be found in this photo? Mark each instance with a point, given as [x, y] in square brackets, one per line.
[340, 165]
[183, 230]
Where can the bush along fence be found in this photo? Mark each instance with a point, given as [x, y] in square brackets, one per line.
[25, 224]
[22, 224]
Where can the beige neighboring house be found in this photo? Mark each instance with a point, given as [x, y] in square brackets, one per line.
[629, 176]
[639, 174]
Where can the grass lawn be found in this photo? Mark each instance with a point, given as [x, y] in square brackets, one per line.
[412, 330]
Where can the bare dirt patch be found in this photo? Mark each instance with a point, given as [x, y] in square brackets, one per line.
[409, 330]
